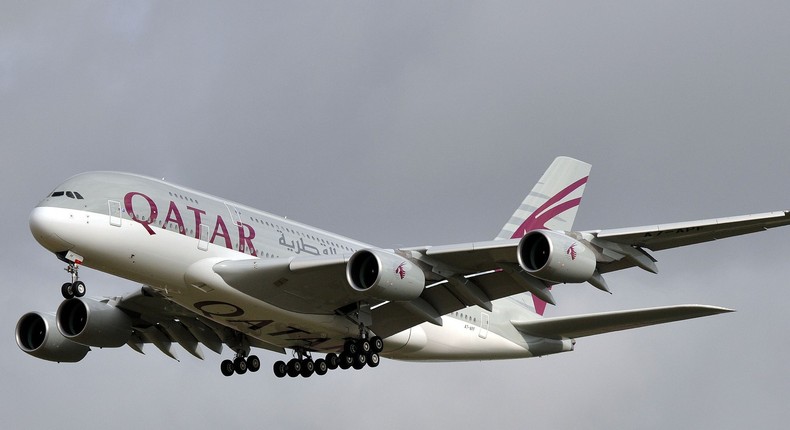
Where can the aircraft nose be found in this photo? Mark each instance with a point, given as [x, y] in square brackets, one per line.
[44, 222]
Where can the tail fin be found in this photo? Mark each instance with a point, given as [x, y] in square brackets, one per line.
[553, 202]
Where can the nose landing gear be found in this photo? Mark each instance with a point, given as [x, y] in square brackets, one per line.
[75, 288]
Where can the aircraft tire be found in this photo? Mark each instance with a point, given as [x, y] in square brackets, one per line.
[226, 367]
[321, 367]
[308, 368]
[67, 291]
[240, 365]
[346, 360]
[280, 369]
[376, 344]
[351, 347]
[294, 368]
[332, 361]
[360, 360]
[78, 288]
[373, 359]
[253, 363]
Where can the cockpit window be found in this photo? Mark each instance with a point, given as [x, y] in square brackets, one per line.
[69, 194]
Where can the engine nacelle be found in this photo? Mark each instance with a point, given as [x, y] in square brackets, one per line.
[37, 336]
[384, 276]
[556, 257]
[93, 323]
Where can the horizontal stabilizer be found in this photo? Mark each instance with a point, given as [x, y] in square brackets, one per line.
[605, 322]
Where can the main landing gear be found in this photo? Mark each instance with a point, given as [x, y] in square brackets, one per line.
[356, 353]
[75, 288]
[240, 364]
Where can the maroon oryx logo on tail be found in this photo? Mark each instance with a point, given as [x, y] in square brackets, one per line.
[401, 270]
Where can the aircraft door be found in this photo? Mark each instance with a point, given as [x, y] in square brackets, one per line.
[235, 214]
[483, 325]
[203, 240]
[115, 213]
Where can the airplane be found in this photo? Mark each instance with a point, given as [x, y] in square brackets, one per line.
[215, 272]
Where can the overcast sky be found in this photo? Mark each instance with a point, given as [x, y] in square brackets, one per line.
[414, 123]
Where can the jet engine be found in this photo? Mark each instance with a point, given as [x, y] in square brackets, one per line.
[37, 336]
[556, 257]
[94, 323]
[384, 276]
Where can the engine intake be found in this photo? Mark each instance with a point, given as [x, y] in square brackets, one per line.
[384, 276]
[93, 323]
[36, 336]
[556, 257]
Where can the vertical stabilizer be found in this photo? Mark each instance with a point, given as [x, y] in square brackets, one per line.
[553, 201]
[552, 204]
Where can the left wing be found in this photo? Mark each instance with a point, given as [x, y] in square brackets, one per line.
[477, 273]
[591, 324]
[665, 236]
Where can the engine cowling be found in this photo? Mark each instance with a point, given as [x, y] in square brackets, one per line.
[556, 257]
[93, 323]
[36, 335]
[384, 276]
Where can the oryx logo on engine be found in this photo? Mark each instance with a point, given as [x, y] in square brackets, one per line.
[572, 251]
[401, 270]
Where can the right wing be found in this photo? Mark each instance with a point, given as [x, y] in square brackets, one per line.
[161, 322]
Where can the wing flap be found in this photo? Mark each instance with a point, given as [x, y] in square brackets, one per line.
[606, 322]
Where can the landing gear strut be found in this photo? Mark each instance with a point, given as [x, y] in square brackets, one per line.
[75, 288]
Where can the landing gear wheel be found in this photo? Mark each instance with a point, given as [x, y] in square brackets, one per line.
[78, 288]
[332, 361]
[226, 367]
[364, 346]
[360, 360]
[373, 359]
[253, 363]
[240, 365]
[308, 367]
[294, 368]
[67, 291]
[351, 347]
[280, 369]
[376, 344]
[321, 367]
[346, 360]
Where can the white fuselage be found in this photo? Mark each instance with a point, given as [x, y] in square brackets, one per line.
[166, 236]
